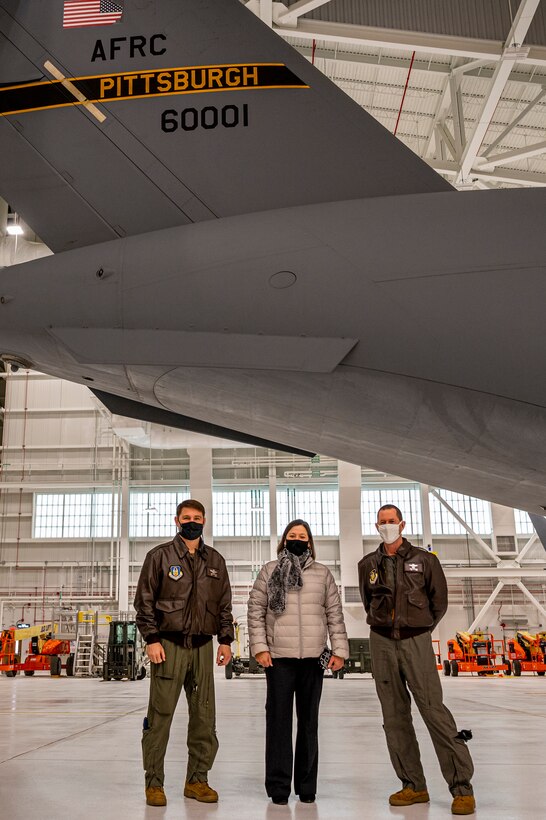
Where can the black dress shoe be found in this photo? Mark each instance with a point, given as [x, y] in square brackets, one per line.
[279, 801]
[307, 798]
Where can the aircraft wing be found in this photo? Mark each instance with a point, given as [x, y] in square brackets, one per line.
[128, 116]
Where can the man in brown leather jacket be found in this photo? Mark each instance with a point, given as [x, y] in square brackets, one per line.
[183, 598]
[404, 592]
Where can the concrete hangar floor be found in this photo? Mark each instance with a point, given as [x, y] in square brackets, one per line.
[71, 748]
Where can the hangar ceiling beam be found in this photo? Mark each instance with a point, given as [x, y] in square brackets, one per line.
[290, 16]
[531, 597]
[266, 12]
[477, 68]
[485, 607]
[457, 114]
[514, 177]
[510, 127]
[516, 36]
[510, 156]
[506, 570]
[422, 43]
[528, 546]
[465, 526]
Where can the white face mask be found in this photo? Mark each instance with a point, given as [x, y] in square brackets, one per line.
[389, 532]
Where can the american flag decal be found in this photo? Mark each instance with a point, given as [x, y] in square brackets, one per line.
[79, 13]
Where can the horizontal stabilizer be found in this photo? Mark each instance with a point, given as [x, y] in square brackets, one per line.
[181, 348]
[145, 412]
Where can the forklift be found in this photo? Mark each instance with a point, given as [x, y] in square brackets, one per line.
[528, 653]
[242, 665]
[125, 655]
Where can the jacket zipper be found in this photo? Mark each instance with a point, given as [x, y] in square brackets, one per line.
[299, 614]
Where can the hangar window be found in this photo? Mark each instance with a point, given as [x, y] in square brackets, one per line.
[241, 512]
[524, 525]
[475, 511]
[75, 515]
[405, 498]
[318, 506]
[151, 514]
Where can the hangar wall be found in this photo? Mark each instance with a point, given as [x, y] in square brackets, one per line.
[80, 506]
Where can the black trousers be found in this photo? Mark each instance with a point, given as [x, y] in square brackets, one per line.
[287, 677]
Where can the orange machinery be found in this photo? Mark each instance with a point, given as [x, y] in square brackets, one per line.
[44, 653]
[528, 653]
[477, 652]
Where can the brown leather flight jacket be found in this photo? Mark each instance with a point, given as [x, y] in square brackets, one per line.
[417, 602]
[184, 595]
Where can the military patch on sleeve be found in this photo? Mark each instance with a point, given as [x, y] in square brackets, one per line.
[175, 572]
[213, 573]
[373, 576]
[413, 566]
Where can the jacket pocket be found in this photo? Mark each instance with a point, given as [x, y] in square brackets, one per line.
[211, 623]
[380, 613]
[418, 610]
[170, 614]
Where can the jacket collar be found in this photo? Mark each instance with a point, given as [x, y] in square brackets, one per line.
[180, 545]
[403, 550]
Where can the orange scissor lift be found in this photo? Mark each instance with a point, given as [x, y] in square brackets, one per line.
[476, 652]
[528, 653]
[44, 653]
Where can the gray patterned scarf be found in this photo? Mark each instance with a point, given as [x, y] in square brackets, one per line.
[285, 576]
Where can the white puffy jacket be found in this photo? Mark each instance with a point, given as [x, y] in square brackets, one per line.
[312, 614]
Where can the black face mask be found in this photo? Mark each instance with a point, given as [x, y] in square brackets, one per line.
[296, 546]
[191, 530]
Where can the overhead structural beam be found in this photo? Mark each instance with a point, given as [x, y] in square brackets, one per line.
[482, 68]
[510, 127]
[531, 597]
[516, 36]
[473, 65]
[457, 114]
[266, 11]
[470, 47]
[529, 180]
[513, 156]
[486, 606]
[527, 548]
[291, 15]
[507, 571]
[447, 139]
[469, 530]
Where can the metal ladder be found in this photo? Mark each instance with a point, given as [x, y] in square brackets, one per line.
[84, 656]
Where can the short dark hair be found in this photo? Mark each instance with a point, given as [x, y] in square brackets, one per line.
[391, 507]
[298, 522]
[193, 504]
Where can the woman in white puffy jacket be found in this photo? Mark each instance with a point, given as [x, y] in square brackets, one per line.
[293, 609]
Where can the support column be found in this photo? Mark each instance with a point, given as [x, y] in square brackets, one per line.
[425, 516]
[350, 523]
[274, 536]
[201, 483]
[123, 562]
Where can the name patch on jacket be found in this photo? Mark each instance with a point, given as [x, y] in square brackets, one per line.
[175, 572]
[412, 566]
[212, 573]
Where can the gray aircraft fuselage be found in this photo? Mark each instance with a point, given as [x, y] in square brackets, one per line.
[405, 333]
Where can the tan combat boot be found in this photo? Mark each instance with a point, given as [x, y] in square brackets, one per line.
[463, 804]
[155, 796]
[201, 792]
[407, 797]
